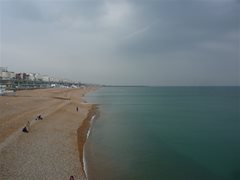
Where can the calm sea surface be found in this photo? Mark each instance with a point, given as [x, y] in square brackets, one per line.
[166, 133]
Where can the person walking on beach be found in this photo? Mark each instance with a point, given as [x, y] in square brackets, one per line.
[77, 109]
[26, 129]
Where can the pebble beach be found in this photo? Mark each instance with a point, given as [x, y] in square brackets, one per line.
[53, 147]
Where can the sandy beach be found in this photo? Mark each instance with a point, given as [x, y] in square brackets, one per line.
[53, 148]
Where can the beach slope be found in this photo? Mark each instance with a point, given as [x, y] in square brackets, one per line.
[52, 148]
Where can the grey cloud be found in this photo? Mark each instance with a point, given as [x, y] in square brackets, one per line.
[182, 25]
[27, 10]
[124, 42]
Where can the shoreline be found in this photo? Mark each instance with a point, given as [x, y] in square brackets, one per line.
[84, 149]
[83, 133]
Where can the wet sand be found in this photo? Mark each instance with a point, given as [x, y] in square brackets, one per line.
[53, 149]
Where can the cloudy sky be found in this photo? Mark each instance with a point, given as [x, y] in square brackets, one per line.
[135, 42]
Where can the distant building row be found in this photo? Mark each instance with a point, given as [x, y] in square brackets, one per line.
[8, 75]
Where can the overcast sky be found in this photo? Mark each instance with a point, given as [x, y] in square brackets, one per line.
[141, 42]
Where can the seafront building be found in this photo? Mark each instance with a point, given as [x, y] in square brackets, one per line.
[6, 79]
[11, 81]
[5, 74]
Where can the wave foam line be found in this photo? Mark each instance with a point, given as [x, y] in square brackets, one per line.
[84, 156]
[83, 134]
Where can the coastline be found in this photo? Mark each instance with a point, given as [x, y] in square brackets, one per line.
[83, 133]
[54, 146]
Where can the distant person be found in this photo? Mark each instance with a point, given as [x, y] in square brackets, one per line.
[26, 129]
[77, 109]
[39, 117]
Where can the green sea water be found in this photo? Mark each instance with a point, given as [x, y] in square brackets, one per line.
[166, 133]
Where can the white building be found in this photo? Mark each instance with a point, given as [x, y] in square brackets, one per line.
[38, 77]
[32, 76]
[5, 74]
[45, 78]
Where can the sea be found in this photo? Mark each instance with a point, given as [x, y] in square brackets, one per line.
[165, 133]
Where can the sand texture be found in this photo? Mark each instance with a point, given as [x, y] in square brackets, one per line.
[52, 148]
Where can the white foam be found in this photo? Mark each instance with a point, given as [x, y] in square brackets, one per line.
[84, 158]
